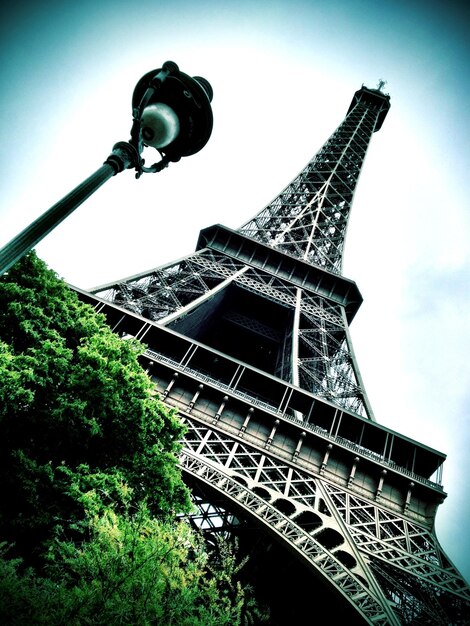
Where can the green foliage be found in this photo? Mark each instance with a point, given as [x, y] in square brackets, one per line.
[91, 485]
[77, 414]
[132, 570]
[25, 599]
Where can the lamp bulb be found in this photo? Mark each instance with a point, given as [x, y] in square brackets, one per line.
[159, 125]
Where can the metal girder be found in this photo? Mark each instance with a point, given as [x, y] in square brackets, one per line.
[308, 219]
[248, 338]
[395, 565]
[354, 587]
[341, 516]
[170, 292]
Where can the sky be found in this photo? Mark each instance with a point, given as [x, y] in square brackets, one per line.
[283, 74]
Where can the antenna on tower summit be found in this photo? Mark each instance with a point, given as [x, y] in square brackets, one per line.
[381, 84]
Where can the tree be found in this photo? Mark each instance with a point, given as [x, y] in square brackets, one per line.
[78, 415]
[91, 483]
[132, 570]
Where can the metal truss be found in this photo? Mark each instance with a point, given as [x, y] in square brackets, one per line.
[308, 219]
[326, 360]
[390, 568]
[285, 453]
[323, 362]
[162, 291]
[305, 543]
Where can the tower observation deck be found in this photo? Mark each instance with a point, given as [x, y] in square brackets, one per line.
[248, 338]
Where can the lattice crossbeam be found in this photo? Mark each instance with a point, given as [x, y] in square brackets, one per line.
[325, 364]
[369, 532]
[308, 219]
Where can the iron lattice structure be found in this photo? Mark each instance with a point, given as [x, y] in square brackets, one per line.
[248, 337]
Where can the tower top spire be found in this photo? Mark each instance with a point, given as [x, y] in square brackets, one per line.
[308, 219]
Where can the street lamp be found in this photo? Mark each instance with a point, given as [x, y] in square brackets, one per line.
[171, 112]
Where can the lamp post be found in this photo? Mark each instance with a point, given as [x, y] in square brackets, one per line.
[171, 112]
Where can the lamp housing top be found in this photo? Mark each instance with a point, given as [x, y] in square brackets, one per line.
[189, 97]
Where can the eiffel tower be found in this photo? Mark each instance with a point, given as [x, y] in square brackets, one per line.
[248, 338]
